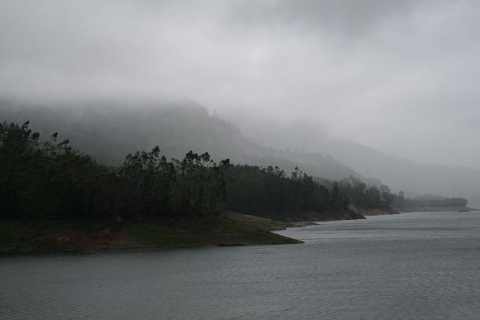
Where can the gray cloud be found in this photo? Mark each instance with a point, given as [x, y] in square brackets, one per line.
[400, 76]
[347, 18]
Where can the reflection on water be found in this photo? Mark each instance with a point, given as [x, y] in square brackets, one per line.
[409, 266]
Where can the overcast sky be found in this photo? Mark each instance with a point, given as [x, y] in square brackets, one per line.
[399, 76]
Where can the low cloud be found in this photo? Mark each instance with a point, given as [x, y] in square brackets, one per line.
[400, 76]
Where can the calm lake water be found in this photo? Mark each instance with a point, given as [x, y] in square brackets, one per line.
[408, 266]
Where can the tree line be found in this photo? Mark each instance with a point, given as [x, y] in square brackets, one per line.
[49, 179]
[401, 201]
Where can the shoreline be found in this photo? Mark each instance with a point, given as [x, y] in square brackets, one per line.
[226, 230]
[436, 209]
[77, 236]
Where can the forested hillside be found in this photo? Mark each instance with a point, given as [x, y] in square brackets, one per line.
[163, 200]
[119, 128]
[48, 179]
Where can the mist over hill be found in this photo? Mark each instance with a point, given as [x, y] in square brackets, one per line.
[397, 76]
[409, 175]
[404, 174]
[110, 131]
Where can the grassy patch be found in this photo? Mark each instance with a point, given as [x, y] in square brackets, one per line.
[226, 229]
[234, 228]
[88, 236]
[160, 236]
[256, 222]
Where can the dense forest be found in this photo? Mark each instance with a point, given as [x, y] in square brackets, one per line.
[49, 179]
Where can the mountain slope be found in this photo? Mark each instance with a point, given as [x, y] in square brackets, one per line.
[110, 131]
[410, 176]
[399, 173]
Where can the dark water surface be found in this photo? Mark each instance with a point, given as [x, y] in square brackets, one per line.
[409, 266]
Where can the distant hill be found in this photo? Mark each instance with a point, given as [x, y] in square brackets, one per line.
[408, 175]
[399, 173]
[110, 130]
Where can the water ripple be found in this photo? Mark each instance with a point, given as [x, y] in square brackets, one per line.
[412, 266]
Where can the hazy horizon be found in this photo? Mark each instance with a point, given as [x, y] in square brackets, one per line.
[399, 77]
